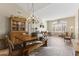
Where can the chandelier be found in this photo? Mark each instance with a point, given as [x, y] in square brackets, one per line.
[33, 19]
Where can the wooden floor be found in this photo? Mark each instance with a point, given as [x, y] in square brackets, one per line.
[56, 47]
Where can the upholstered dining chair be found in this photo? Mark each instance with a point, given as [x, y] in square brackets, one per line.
[67, 36]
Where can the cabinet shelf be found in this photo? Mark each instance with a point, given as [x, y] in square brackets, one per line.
[17, 23]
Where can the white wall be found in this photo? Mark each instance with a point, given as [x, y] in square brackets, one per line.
[45, 24]
[57, 10]
[6, 10]
[77, 25]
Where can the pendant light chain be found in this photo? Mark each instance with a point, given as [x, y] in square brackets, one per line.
[33, 9]
[33, 15]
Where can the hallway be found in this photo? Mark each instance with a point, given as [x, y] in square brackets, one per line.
[56, 47]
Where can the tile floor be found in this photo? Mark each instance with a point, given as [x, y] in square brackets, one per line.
[56, 47]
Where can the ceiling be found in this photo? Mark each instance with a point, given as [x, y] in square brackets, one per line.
[51, 11]
[28, 6]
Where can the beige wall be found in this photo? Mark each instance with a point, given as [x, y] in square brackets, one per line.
[49, 26]
[70, 23]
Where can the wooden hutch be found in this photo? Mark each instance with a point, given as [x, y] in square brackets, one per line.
[19, 36]
[17, 27]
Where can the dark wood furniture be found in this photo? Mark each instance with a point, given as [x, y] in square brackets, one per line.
[19, 38]
[28, 49]
[67, 36]
[76, 47]
[4, 50]
[17, 23]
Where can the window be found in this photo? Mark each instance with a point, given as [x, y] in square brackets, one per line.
[59, 26]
